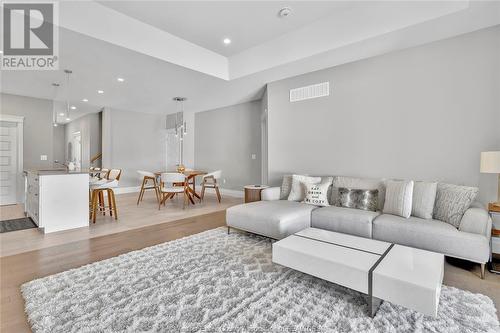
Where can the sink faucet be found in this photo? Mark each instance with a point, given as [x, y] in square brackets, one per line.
[64, 165]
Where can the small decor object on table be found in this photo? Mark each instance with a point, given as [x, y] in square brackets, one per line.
[252, 192]
[494, 265]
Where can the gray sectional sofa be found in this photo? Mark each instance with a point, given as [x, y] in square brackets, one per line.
[276, 217]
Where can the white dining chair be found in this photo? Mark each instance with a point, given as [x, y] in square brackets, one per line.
[210, 181]
[148, 177]
[172, 184]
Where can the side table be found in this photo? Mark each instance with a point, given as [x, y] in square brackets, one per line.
[494, 264]
[252, 192]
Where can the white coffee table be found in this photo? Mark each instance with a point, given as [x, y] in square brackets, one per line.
[399, 274]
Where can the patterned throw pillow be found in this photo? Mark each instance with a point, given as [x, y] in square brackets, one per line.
[358, 183]
[298, 191]
[398, 197]
[317, 194]
[286, 187]
[452, 201]
[359, 199]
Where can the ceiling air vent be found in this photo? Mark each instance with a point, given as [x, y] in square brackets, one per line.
[308, 92]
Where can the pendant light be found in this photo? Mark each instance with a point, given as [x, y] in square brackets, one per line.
[54, 111]
[180, 130]
[68, 73]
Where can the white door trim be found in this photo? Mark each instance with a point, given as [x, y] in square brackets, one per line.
[20, 135]
[14, 119]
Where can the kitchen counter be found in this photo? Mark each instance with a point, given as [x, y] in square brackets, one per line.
[61, 171]
[57, 199]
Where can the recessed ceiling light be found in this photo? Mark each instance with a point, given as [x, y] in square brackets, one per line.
[68, 119]
[284, 12]
[55, 124]
[85, 100]
[100, 91]
[73, 107]
[120, 79]
[61, 114]
[226, 41]
[1, 51]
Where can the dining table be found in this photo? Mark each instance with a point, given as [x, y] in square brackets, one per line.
[190, 179]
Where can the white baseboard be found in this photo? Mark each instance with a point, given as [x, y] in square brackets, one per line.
[232, 193]
[130, 189]
[223, 191]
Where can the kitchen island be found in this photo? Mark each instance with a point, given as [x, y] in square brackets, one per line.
[57, 199]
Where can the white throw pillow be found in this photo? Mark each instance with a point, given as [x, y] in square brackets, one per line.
[298, 191]
[317, 194]
[424, 195]
[398, 197]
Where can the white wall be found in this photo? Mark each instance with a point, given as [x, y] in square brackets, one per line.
[421, 113]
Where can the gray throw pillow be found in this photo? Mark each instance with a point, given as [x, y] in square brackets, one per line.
[359, 199]
[452, 201]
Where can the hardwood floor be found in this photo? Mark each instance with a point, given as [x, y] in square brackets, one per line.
[18, 269]
[11, 212]
[130, 216]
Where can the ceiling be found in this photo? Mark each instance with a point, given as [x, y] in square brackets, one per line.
[158, 65]
[246, 23]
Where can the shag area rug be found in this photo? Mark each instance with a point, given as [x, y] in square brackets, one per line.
[214, 282]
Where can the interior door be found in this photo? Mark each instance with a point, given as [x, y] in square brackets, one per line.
[8, 163]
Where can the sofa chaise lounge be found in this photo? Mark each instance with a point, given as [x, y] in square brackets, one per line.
[276, 217]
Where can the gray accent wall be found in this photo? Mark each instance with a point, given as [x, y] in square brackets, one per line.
[225, 139]
[38, 128]
[133, 141]
[424, 113]
[59, 144]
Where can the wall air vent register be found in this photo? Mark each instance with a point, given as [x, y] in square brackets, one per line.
[308, 92]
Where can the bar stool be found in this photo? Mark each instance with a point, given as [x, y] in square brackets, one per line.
[146, 177]
[97, 198]
[169, 188]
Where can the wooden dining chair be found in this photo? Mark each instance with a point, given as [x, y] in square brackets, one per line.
[210, 181]
[172, 184]
[148, 177]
